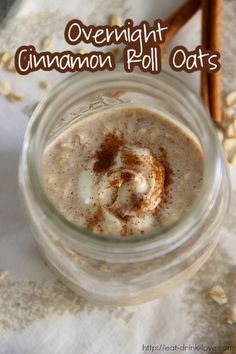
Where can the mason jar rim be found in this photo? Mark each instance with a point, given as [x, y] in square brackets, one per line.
[169, 236]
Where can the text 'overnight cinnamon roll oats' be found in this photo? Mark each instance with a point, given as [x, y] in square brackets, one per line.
[123, 173]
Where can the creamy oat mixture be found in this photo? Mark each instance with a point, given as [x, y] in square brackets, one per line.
[123, 172]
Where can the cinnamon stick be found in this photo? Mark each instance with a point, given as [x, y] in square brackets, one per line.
[215, 44]
[211, 40]
[206, 44]
[179, 18]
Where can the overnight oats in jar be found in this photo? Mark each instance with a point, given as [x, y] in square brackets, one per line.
[124, 183]
[123, 173]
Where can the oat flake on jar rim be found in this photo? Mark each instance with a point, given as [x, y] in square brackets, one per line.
[136, 261]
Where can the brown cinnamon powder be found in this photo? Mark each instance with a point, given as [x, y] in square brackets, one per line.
[105, 156]
[169, 173]
[95, 220]
[137, 201]
[129, 158]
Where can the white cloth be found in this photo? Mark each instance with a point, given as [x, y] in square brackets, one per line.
[37, 313]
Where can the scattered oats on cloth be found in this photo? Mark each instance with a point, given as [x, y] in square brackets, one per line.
[218, 294]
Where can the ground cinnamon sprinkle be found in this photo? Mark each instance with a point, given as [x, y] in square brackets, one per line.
[120, 214]
[124, 177]
[105, 156]
[95, 220]
[130, 159]
[169, 173]
[126, 231]
[137, 201]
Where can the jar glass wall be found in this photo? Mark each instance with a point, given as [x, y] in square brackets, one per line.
[131, 270]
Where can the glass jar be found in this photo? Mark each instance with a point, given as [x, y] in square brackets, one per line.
[128, 270]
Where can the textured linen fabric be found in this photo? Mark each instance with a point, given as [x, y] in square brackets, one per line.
[40, 315]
